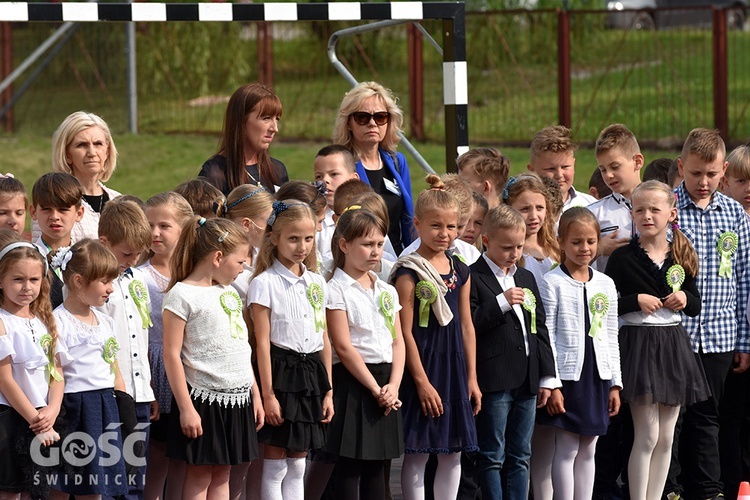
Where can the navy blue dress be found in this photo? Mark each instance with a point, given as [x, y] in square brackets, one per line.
[587, 400]
[441, 350]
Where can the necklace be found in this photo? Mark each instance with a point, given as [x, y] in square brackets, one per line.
[96, 202]
[451, 282]
[252, 177]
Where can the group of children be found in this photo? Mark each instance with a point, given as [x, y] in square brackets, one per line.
[214, 342]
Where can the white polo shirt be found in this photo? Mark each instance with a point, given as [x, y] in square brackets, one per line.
[613, 213]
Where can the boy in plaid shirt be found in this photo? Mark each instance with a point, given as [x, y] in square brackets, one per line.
[720, 336]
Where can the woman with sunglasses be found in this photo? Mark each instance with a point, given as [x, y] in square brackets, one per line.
[250, 124]
[368, 124]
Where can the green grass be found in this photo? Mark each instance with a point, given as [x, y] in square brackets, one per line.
[149, 164]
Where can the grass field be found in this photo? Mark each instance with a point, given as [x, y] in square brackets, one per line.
[149, 164]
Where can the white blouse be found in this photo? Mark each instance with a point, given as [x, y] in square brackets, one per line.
[156, 283]
[368, 329]
[215, 349]
[23, 343]
[87, 370]
[292, 314]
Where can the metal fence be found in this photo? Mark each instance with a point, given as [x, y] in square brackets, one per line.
[526, 69]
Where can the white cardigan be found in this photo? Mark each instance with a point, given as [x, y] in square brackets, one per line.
[562, 297]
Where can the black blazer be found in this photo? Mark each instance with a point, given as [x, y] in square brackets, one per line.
[502, 363]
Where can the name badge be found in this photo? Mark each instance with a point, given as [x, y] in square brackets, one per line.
[392, 187]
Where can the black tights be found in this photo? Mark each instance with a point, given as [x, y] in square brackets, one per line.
[360, 478]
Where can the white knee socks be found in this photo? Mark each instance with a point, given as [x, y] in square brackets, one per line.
[447, 476]
[293, 485]
[412, 475]
[273, 475]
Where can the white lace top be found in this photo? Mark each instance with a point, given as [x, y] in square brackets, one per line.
[215, 352]
[23, 343]
[89, 368]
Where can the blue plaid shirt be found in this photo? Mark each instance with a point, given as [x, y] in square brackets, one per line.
[721, 325]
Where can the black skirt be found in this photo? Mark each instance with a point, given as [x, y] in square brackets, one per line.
[300, 382]
[360, 429]
[228, 438]
[659, 366]
[15, 463]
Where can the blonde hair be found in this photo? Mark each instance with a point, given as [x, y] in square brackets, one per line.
[352, 102]
[503, 217]
[706, 144]
[199, 238]
[556, 139]
[73, 124]
[617, 136]
[683, 252]
[178, 205]
[575, 215]
[461, 189]
[245, 201]
[92, 261]
[530, 182]
[353, 224]
[124, 222]
[489, 164]
[295, 211]
[41, 307]
[738, 162]
[435, 197]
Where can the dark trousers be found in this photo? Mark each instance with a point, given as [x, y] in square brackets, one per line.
[733, 431]
[695, 466]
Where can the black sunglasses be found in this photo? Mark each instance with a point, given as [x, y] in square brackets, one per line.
[362, 118]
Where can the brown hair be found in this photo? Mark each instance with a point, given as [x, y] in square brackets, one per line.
[347, 191]
[56, 190]
[658, 170]
[338, 149]
[296, 210]
[435, 197]
[245, 201]
[489, 164]
[374, 203]
[92, 261]
[461, 189]
[575, 215]
[597, 181]
[41, 307]
[124, 221]
[179, 206]
[683, 252]
[554, 196]
[305, 192]
[617, 136]
[556, 139]
[704, 143]
[10, 186]
[199, 238]
[201, 195]
[351, 225]
[250, 98]
[526, 183]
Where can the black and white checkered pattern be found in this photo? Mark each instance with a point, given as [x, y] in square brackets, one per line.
[455, 89]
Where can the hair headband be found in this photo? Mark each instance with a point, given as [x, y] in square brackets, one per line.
[508, 185]
[280, 206]
[351, 207]
[23, 244]
[322, 190]
[229, 206]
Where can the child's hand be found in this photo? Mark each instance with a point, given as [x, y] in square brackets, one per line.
[153, 409]
[272, 409]
[44, 420]
[610, 243]
[676, 301]
[614, 401]
[48, 437]
[394, 407]
[542, 397]
[388, 395]
[475, 396]
[432, 405]
[327, 407]
[190, 422]
[556, 402]
[260, 417]
[648, 303]
[514, 295]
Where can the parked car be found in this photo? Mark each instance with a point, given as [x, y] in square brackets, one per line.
[658, 14]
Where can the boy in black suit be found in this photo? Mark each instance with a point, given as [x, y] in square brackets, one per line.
[514, 356]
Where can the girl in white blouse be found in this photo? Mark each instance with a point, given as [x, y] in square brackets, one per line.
[287, 301]
[207, 358]
[362, 313]
[31, 385]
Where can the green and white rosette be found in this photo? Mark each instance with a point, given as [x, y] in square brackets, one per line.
[50, 371]
[427, 293]
[315, 297]
[675, 277]
[140, 296]
[388, 310]
[726, 246]
[529, 303]
[232, 304]
[598, 305]
[110, 352]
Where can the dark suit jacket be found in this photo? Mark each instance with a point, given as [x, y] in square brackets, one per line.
[502, 363]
